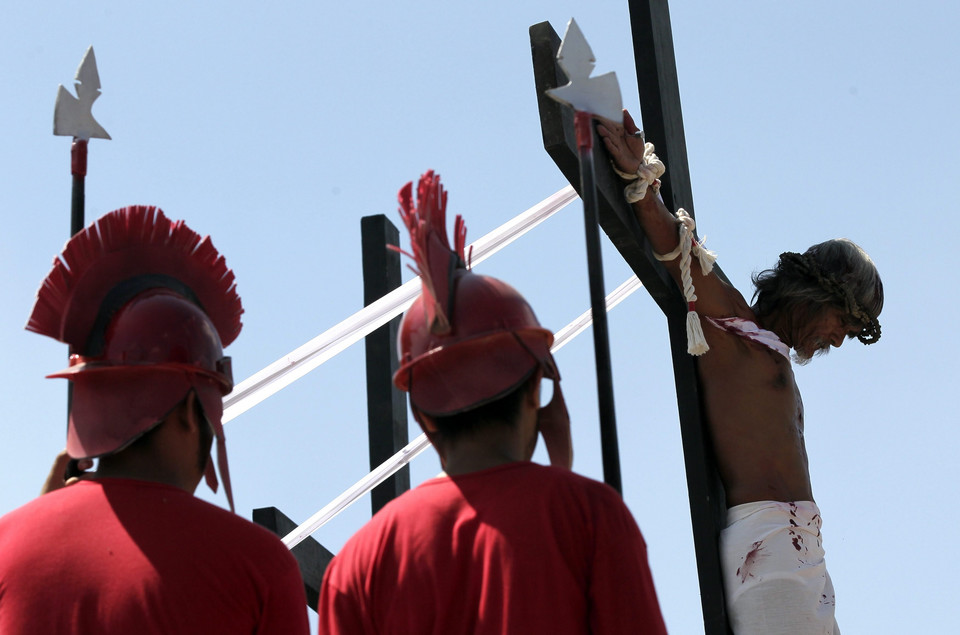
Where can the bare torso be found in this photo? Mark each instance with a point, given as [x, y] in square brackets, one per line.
[752, 403]
[755, 416]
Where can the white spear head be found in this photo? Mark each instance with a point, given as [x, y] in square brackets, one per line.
[72, 116]
[598, 95]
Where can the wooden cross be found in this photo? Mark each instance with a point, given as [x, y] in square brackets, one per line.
[663, 126]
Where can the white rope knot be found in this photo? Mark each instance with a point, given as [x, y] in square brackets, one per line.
[696, 342]
[650, 170]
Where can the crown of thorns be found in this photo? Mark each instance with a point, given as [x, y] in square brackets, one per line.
[806, 265]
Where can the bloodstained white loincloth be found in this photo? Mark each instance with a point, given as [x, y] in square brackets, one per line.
[774, 575]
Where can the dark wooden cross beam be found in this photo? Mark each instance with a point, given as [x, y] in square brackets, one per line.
[312, 557]
[663, 126]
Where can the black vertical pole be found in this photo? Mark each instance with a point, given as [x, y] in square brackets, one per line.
[663, 126]
[386, 404]
[609, 446]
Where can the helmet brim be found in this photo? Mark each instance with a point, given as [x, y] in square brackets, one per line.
[98, 367]
[462, 376]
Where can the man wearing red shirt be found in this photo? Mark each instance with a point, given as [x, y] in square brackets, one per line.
[146, 306]
[496, 544]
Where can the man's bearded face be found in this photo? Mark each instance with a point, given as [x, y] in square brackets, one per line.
[802, 356]
[830, 327]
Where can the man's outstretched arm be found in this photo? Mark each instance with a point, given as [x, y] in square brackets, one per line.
[626, 147]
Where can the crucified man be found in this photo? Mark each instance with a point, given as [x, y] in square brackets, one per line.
[775, 579]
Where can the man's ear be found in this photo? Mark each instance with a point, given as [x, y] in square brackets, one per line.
[532, 396]
[181, 413]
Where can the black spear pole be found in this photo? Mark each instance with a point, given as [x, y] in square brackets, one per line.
[78, 168]
[583, 122]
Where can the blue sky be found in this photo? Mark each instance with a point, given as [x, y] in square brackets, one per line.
[275, 128]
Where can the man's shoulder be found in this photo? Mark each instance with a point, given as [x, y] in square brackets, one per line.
[203, 513]
[58, 502]
[124, 498]
[556, 486]
[559, 475]
[718, 298]
[540, 476]
[446, 492]
[516, 481]
[209, 526]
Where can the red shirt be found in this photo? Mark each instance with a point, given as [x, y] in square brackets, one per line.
[121, 556]
[519, 548]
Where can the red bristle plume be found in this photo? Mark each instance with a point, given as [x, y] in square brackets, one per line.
[436, 261]
[123, 244]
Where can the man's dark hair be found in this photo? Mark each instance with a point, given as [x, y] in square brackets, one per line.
[502, 411]
[832, 273]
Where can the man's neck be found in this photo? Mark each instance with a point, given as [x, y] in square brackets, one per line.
[143, 472]
[490, 448]
[155, 461]
[455, 466]
[776, 322]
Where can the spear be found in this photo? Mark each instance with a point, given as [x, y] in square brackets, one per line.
[73, 117]
[590, 96]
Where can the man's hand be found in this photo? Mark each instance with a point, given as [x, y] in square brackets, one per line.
[57, 478]
[624, 142]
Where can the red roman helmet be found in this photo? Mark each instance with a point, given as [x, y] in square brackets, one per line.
[146, 306]
[469, 339]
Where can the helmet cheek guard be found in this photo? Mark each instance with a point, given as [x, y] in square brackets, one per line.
[553, 421]
[138, 399]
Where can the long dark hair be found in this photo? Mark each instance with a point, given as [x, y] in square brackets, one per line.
[835, 272]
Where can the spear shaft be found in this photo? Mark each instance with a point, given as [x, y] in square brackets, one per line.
[78, 168]
[589, 96]
[609, 446]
